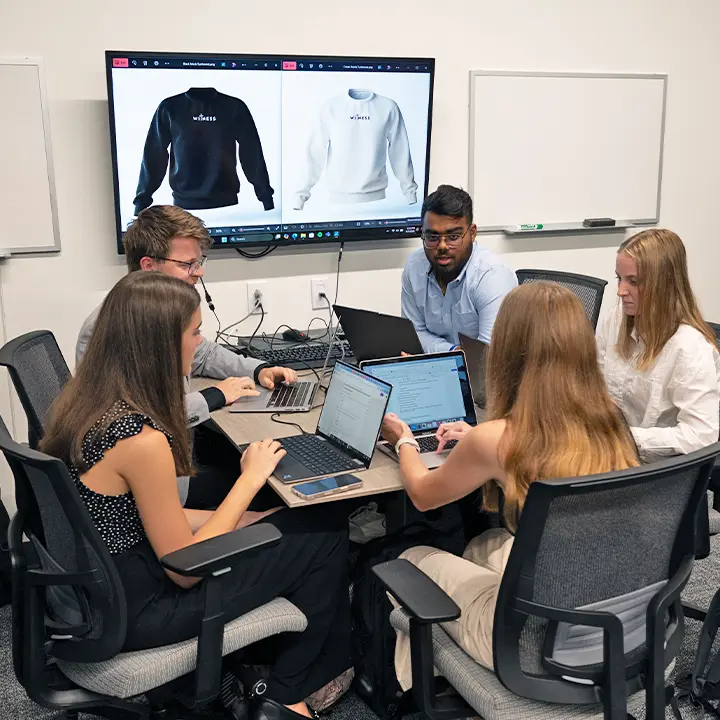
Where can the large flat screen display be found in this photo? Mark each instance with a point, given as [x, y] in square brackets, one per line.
[272, 149]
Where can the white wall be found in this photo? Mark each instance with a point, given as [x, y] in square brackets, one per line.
[57, 292]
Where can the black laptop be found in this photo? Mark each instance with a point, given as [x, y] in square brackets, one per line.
[475, 353]
[373, 335]
[347, 431]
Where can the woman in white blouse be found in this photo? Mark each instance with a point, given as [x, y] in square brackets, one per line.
[659, 358]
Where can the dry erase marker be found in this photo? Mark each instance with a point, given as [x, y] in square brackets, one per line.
[530, 227]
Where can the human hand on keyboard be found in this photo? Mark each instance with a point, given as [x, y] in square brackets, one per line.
[234, 388]
[451, 431]
[260, 459]
[267, 377]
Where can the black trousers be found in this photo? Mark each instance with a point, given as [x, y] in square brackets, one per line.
[217, 462]
[308, 567]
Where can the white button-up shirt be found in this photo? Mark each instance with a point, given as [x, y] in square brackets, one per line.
[673, 407]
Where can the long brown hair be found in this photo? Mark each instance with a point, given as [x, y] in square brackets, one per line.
[666, 299]
[543, 377]
[134, 355]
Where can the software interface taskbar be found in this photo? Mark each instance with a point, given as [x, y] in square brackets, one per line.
[339, 231]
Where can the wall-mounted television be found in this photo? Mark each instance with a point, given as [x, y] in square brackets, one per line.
[272, 149]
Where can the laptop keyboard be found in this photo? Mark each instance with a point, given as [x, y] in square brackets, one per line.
[429, 443]
[317, 455]
[295, 395]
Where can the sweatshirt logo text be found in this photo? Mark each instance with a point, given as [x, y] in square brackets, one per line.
[204, 118]
[359, 117]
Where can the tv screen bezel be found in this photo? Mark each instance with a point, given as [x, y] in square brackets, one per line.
[348, 235]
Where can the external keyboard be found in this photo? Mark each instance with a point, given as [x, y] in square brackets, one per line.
[307, 355]
[317, 455]
[296, 395]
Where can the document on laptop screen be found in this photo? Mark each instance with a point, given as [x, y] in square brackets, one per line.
[353, 410]
[425, 391]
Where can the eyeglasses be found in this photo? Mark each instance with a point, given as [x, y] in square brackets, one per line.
[192, 267]
[432, 240]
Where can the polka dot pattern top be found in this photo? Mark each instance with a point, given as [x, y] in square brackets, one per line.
[115, 516]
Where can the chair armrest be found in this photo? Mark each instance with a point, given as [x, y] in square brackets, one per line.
[217, 555]
[422, 598]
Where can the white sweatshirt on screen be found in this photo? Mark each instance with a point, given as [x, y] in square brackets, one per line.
[353, 137]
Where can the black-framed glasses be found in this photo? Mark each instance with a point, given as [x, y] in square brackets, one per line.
[432, 239]
[193, 267]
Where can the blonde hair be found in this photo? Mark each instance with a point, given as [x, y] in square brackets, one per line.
[666, 299]
[153, 230]
[543, 377]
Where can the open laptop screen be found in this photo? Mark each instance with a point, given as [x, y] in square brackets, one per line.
[428, 390]
[355, 405]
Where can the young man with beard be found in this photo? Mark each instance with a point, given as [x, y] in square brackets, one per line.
[452, 285]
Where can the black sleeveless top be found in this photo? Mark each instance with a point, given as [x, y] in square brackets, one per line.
[115, 516]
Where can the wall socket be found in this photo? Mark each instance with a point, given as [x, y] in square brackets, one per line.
[318, 285]
[259, 286]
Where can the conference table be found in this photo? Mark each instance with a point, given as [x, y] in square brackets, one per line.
[383, 476]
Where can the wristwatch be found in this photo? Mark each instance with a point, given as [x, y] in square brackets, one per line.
[406, 441]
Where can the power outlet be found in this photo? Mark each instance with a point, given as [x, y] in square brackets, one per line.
[318, 285]
[253, 288]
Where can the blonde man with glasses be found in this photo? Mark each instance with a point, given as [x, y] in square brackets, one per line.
[170, 240]
[452, 285]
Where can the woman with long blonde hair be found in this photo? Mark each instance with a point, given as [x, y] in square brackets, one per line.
[659, 357]
[549, 416]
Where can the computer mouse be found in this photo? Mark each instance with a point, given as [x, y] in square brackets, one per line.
[294, 335]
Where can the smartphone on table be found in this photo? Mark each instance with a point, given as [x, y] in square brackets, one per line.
[326, 486]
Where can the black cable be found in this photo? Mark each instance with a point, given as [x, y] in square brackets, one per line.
[262, 317]
[274, 417]
[337, 275]
[255, 256]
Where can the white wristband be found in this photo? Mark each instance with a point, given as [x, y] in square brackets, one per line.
[406, 441]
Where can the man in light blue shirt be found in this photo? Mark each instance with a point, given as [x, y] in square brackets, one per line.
[451, 285]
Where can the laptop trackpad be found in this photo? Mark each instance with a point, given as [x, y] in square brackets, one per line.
[433, 459]
[289, 470]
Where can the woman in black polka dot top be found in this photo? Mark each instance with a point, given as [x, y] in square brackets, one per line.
[120, 427]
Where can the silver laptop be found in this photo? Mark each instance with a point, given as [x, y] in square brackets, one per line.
[283, 398]
[475, 354]
[427, 391]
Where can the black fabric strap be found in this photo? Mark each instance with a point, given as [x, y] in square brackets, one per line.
[258, 369]
[214, 398]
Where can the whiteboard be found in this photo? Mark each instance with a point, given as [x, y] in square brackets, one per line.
[561, 147]
[27, 201]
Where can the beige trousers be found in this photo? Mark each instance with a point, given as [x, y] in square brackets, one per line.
[472, 581]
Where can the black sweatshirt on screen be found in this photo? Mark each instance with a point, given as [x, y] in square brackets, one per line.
[202, 127]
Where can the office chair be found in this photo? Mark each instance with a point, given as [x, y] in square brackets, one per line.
[588, 611]
[715, 476]
[69, 617]
[38, 371]
[589, 289]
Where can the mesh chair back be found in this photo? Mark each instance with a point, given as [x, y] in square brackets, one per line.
[83, 609]
[610, 542]
[589, 289]
[39, 372]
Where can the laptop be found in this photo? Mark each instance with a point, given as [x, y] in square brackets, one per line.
[428, 390]
[347, 431]
[374, 335]
[475, 354]
[297, 397]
